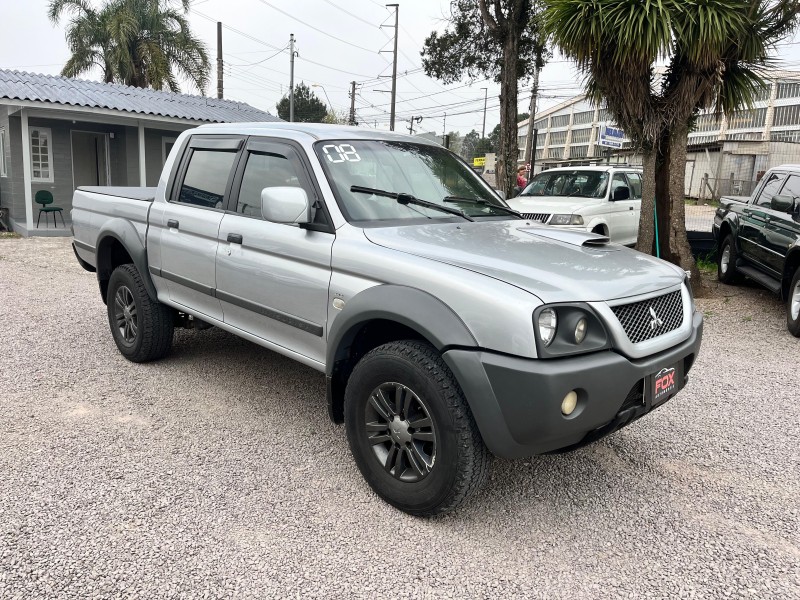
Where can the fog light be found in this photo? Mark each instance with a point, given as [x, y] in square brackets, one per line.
[580, 331]
[569, 403]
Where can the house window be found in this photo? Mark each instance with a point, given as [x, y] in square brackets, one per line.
[41, 154]
[3, 169]
[166, 147]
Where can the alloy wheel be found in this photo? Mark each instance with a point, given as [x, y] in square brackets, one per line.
[400, 432]
[125, 314]
[725, 261]
[795, 306]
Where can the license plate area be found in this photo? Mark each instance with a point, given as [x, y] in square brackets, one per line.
[664, 383]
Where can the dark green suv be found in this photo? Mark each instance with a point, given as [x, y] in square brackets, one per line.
[759, 237]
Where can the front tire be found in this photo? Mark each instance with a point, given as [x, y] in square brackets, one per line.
[793, 305]
[142, 327]
[726, 261]
[411, 432]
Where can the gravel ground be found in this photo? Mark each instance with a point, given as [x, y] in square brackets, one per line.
[215, 473]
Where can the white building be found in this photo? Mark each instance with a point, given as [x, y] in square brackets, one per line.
[726, 154]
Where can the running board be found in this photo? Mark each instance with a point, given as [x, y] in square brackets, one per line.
[768, 282]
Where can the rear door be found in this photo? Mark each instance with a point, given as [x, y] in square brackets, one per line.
[273, 278]
[191, 219]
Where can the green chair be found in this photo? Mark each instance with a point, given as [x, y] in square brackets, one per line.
[44, 198]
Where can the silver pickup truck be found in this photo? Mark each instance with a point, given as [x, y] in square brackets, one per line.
[449, 327]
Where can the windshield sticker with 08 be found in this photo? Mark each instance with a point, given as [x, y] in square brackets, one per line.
[343, 152]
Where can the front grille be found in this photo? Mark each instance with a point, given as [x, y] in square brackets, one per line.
[540, 217]
[651, 318]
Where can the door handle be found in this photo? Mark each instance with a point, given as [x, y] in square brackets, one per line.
[630, 208]
[235, 238]
[173, 224]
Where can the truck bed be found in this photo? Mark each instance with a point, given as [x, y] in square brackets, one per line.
[94, 208]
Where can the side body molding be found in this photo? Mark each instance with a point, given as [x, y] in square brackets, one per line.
[124, 232]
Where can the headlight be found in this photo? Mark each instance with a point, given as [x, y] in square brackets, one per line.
[568, 328]
[580, 330]
[565, 220]
[547, 325]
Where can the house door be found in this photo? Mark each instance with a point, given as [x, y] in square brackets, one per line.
[89, 158]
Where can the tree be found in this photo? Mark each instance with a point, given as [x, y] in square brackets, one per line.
[141, 43]
[713, 50]
[307, 107]
[494, 138]
[490, 38]
[455, 141]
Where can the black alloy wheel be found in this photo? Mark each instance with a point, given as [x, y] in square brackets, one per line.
[399, 427]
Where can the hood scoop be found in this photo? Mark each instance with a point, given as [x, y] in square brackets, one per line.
[574, 238]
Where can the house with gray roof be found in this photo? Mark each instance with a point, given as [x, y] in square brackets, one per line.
[57, 134]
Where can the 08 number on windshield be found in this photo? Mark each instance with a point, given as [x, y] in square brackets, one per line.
[343, 153]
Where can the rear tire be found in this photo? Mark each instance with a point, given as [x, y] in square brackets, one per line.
[142, 327]
[793, 305]
[726, 261]
[411, 432]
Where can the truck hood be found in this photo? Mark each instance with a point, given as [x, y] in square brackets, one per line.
[551, 204]
[555, 265]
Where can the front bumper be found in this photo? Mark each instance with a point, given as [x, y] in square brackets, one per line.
[517, 402]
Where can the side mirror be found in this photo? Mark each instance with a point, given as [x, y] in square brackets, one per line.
[782, 203]
[623, 192]
[285, 205]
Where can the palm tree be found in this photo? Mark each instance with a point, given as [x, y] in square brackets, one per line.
[142, 43]
[711, 54]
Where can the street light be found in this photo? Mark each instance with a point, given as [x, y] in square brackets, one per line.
[319, 85]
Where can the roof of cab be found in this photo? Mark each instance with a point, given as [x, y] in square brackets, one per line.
[601, 168]
[317, 131]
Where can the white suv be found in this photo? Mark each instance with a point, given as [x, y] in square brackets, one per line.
[581, 198]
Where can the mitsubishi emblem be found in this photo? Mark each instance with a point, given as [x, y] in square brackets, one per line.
[655, 322]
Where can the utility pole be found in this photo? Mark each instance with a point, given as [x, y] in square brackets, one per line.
[411, 125]
[291, 78]
[530, 140]
[352, 103]
[485, 98]
[444, 131]
[394, 65]
[219, 59]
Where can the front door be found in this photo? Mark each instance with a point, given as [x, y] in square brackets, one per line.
[89, 158]
[753, 226]
[622, 216]
[273, 278]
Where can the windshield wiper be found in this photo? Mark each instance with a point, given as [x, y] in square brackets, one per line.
[481, 202]
[403, 198]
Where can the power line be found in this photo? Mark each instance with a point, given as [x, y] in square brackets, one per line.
[305, 22]
[263, 60]
[334, 5]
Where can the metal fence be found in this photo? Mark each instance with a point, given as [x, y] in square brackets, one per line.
[712, 188]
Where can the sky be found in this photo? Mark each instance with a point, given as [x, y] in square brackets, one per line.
[337, 41]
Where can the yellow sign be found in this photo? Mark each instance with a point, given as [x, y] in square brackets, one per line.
[479, 161]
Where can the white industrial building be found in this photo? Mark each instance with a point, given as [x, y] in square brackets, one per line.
[725, 155]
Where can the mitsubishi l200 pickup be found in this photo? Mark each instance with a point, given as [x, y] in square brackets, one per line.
[449, 327]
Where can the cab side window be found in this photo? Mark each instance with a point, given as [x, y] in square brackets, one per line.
[206, 178]
[635, 181]
[770, 188]
[263, 171]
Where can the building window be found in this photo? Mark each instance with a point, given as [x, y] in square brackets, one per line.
[792, 135]
[578, 151]
[787, 115]
[558, 137]
[540, 139]
[3, 168]
[749, 119]
[166, 147]
[539, 153]
[707, 122]
[603, 116]
[41, 155]
[581, 118]
[540, 124]
[559, 121]
[555, 152]
[788, 89]
[581, 136]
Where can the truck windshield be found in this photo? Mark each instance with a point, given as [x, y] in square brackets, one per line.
[428, 173]
[577, 183]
